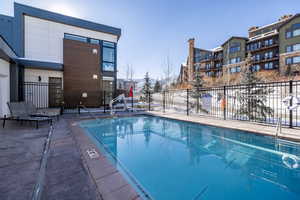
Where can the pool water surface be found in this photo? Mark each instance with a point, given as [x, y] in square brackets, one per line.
[176, 160]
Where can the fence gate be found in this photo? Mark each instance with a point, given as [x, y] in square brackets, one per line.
[55, 92]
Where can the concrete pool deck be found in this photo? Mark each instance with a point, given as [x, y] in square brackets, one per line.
[292, 134]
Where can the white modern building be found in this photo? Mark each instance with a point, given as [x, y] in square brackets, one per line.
[50, 59]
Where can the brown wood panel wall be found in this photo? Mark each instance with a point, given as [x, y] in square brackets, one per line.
[80, 64]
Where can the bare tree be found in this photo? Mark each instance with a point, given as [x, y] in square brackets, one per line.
[168, 71]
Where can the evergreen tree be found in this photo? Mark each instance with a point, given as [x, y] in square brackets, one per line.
[157, 86]
[252, 99]
[196, 91]
[147, 89]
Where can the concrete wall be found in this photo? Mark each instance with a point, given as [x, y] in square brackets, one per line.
[44, 39]
[4, 87]
[31, 75]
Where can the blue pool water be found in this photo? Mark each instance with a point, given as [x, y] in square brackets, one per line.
[175, 160]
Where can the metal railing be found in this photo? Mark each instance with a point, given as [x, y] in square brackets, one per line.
[259, 102]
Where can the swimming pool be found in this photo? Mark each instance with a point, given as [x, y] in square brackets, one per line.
[176, 160]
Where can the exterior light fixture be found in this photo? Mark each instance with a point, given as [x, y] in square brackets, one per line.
[95, 51]
[95, 76]
[84, 95]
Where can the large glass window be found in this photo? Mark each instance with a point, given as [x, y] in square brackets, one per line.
[108, 56]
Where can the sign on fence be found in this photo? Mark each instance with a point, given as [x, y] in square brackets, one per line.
[206, 100]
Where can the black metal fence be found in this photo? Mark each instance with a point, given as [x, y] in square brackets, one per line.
[51, 95]
[260, 102]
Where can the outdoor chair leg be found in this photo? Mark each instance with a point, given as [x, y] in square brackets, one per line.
[4, 121]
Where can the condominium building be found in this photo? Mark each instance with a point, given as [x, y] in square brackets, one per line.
[273, 47]
[74, 57]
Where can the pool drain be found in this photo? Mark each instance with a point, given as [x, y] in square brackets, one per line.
[92, 153]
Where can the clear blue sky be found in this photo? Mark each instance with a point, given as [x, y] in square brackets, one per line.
[152, 30]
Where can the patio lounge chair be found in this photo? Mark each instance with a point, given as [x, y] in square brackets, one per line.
[19, 113]
[32, 110]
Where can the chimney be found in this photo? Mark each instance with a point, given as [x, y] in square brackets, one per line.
[285, 17]
[191, 59]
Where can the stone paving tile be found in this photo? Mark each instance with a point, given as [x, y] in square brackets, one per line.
[20, 156]
[125, 193]
[66, 175]
[101, 168]
[18, 181]
[111, 183]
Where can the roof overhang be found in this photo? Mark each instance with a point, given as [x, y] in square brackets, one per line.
[37, 64]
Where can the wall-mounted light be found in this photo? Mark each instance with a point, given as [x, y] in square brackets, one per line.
[39, 78]
[95, 76]
[95, 51]
[84, 95]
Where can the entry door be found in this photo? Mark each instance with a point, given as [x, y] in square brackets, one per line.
[55, 92]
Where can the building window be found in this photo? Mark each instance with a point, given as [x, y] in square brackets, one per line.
[218, 73]
[75, 37]
[291, 48]
[235, 47]
[296, 32]
[218, 65]
[296, 59]
[292, 60]
[269, 42]
[288, 61]
[207, 66]
[257, 57]
[234, 60]
[269, 65]
[94, 41]
[269, 55]
[288, 34]
[293, 31]
[209, 73]
[255, 68]
[108, 56]
[235, 69]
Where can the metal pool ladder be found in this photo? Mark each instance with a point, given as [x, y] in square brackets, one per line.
[278, 128]
[278, 132]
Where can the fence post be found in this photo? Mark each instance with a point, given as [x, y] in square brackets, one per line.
[225, 103]
[291, 104]
[149, 98]
[187, 102]
[104, 102]
[132, 103]
[164, 102]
